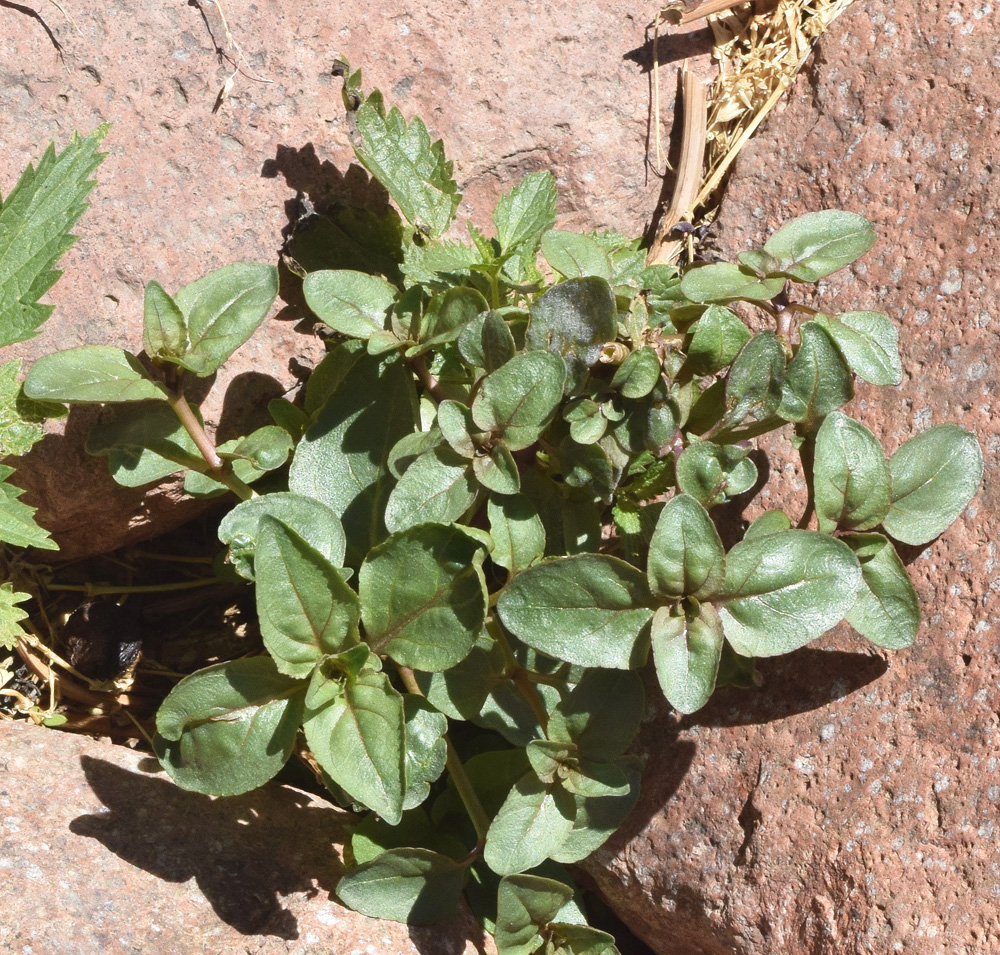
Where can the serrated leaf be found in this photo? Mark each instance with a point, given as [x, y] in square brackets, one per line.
[869, 343]
[35, 220]
[687, 647]
[21, 420]
[426, 748]
[416, 886]
[342, 460]
[934, 476]
[887, 611]
[526, 904]
[817, 380]
[851, 483]
[164, 329]
[91, 374]
[574, 255]
[413, 170]
[352, 303]
[723, 282]
[17, 519]
[229, 728]
[784, 590]
[438, 265]
[423, 596]
[306, 610]
[525, 213]
[686, 556]
[11, 615]
[716, 340]
[818, 243]
[436, 488]
[589, 609]
[358, 737]
[222, 310]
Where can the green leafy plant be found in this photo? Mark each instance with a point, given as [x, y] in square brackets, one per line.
[498, 498]
[35, 222]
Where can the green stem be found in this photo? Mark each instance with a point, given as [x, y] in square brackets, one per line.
[520, 677]
[430, 383]
[95, 590]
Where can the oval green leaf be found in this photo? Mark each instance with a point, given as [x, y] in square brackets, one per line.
[887, 611]
[91, 374]
[817, 380]
[352, 303]
[818, 243]
[686, 556]
[724, 282]
[436, 488]
[687, 648]
[869, 343]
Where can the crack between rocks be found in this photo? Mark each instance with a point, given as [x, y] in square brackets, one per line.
[749, 819]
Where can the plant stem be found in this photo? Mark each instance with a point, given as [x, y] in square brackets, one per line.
[95, 590]
[419, 366]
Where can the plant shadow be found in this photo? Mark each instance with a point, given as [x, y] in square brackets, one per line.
[243, 851]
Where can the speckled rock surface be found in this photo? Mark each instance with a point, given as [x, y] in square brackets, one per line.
[100, 857]
[511, 87]
[852, 803]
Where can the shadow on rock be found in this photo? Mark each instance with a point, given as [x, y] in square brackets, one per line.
[243, 851]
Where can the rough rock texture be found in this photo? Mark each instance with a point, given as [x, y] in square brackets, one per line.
[850, 805]
[510, 87]
[100, 857]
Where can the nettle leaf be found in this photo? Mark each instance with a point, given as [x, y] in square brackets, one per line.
[869, 343]
[574, 319]
[574, 255]
[934, 476]
[518, 401]
[784, 590]
[638, 374]
[222, 310]
[851, 484]
[686, 556]
[817, 380]
[711, 473]
[526, 213]
[887, 611]
[532, 823]
[342, 460]
[164, 330]
[17, 519]
[716, 340]
[22, 421]
[91, 374]
[229, 728]
[358, 738]
[601, 714]
[724, 282]
[423, 596]
[590, 609]
[314, 522]
[11, 615]
[436, 488]
[517, 531]
[525, 905]
[415, 886]
[497, 470]
[426, 748]
[35, 220]
[306, 610]
[687, 647]
[818, 243]
[753, 388]
[352, 303]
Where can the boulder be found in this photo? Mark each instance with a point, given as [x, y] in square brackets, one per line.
[102, 854]
[849, 804]
[191, 184]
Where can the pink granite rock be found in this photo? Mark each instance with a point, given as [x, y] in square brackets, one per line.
[850, 805]
[510, 87]
[99, 856]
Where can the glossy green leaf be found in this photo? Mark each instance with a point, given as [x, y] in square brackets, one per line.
[753, 388]
[518, 401]
[267, 448]
[934, 476]
[817, 380]
[164, 330]
[415, 886]
[358, 738]
[457, 427]
[91, 374]
[497, 471]
[574, 319]
[590, 609]
[409, 447]
[314, 522]
[436, 488]
[306, 610]
[525, 905]
[686, 556]
[375, 836]
[574, 255]
[601, 714]
[887, 611]
[229, 728]
[342, 460]
[818, 243]
[760, 262]
[712, 473]
[716, 340]
[497, 342]
[851, 484]
[531, 824]
[222, 310]
[784, 590]
[517, 531]
[547, 756]
[770, 522]
[447, 314]
[723, 282]
[423, 597]
[352, 303]
[869, 343]
[426, 749]
[638, 374]
[687, 647]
